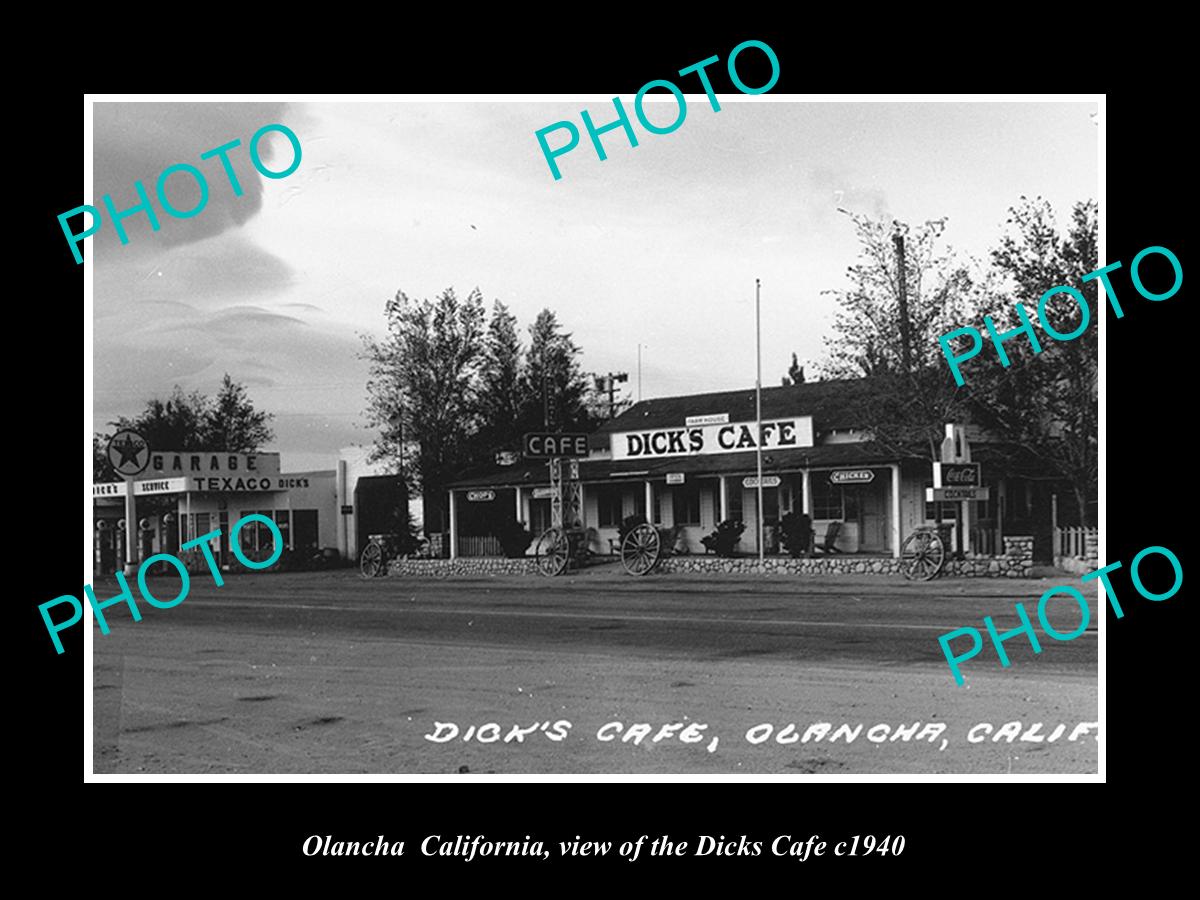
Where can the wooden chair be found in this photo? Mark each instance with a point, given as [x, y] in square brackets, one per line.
[831, 536]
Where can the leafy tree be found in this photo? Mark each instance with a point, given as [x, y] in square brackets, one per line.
[1047, 402]
[554, 388]
[500, 387]
[795, 373]
[232, 423]
[178, 423]
[193, 421]
[908, 407]
[422, 390]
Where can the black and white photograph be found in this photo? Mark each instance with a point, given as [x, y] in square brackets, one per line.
[695, 432]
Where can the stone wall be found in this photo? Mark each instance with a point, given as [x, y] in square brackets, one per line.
[484, 565]
[1017, 562]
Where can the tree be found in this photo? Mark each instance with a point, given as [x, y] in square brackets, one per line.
[178, 423]
[500, 398]
[422, 390]
[795, 373]
[554, 388]
[1047, 402]
[232, 423]
[193, 421]
[907, 407]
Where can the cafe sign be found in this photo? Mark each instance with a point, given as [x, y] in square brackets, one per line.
[706, 440]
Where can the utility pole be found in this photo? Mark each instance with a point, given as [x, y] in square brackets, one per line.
[758, 417]
[607, 384]
[905, 356]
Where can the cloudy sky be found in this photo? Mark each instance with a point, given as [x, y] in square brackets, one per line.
[659, 244]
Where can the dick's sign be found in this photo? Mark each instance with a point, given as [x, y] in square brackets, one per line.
[702, 440]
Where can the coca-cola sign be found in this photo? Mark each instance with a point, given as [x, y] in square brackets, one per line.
[956, 475]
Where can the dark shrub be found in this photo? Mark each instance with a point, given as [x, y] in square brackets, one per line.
[513, 537]
[797, 533]
[725, 538]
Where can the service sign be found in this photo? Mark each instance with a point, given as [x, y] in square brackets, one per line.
[851, 476]
[956, 475]
[481, 496]
[703, 440]
[956, 493]
[545, 446]
[141, 488]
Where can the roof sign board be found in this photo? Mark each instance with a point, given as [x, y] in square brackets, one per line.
[714, 419]
[777, 434]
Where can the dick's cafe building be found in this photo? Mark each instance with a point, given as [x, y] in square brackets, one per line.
[689, 462]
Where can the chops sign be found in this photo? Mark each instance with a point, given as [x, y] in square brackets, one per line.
[622, 120]
[160, 189]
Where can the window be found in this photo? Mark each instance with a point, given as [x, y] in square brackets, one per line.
[949, 510]
[734, 499]
[686, 504]
[834, 501]
[826, 498]
[608, 500]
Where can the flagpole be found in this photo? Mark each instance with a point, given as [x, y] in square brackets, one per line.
[758, 417]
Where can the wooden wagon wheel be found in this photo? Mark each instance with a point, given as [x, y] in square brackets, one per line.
[922, 555]
[553, 552]
[641, 550]
[370, 562]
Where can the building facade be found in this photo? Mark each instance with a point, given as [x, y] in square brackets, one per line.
[688, 463]
[182, 495]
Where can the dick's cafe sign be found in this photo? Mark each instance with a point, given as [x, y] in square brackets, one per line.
[704, 440]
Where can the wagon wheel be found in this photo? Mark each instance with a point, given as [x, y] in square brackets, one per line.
[641, 550]
[370, 563]
[922, 555]
[553, 552]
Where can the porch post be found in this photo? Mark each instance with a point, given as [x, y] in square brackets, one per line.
[453, 527]
[650, 504]
[895, 510]
[806, 488]
[723, 512]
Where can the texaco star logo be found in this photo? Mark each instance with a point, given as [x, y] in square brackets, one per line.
[128, 452]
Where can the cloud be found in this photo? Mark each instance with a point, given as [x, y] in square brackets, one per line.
[135, 142]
